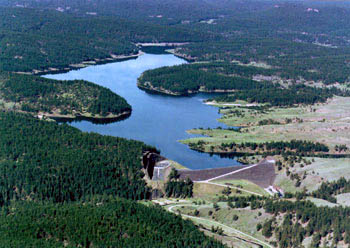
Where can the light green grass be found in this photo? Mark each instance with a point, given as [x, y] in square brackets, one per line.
[245, 184]
[321, 202]
[252, 117]
[210, 192]
[177, 166]
[343, 199]
[325, 123]
[322, 169]
[247, 219]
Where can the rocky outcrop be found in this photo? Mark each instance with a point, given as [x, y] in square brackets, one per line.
[149, 160]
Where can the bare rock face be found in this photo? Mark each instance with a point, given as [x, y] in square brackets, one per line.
[149, 161]
[157, 193]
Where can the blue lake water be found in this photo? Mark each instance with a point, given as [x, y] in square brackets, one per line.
[157, 120]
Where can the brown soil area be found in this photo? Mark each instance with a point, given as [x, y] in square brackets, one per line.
[202, 175]
[262, 175]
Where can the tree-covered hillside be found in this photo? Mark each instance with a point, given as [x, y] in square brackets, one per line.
[211, 77]
[42, 160]
[183, 79]
[60, 98]
[100, 222]
[60, 187]
[278, 96]
[40, 39]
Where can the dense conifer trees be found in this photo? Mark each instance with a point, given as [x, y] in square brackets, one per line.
[99, 222]
[36, 94]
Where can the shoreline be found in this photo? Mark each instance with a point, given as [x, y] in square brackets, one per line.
[242, 153]
[83, 64]
[80, 117]
[188, 93]
[182, 56]
[214, 103]
[161, 44]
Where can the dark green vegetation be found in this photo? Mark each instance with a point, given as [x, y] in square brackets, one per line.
[178, 188]
[59, 188]
[292, 41]
[218, 76]
[328, 190]
[299, 147]
[34, 39]
[303, 219]
[55, 180]
[42, 162]
[277, 96]
[36, 94]
[46, 161]
[311, 62]
[183, 79]
[293, 221]
[155, 11]
[101, 222]
[285, 36]
[296, 42]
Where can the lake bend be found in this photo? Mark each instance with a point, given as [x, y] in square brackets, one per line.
[157, 120]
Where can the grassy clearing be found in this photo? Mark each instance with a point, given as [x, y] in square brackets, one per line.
[246, 222]
[343, 199]
[321, 202]
[325, 123]
[322, 169]
[252, 117]
[177, 166]
[244, 184]
[6, 105]
[210, 192]
[230, 240]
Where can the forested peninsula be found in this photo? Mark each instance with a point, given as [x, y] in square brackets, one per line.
[241, 81]
[60, 99]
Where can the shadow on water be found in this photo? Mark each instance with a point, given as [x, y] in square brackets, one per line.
[156, 49]
[98, 121]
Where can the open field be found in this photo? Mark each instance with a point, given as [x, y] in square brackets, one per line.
[230, 240]
[343, 199]
[210, 192]
[176, 165]
[236, 234]
[321, 202]
[325, 123]
[224, 218]
[244, 184]
[322, 169]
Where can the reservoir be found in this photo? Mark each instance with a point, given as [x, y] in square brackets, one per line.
[157, 120]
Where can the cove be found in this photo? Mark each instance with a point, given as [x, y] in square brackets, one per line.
[157, 120]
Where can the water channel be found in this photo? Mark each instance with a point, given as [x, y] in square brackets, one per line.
[157, 120]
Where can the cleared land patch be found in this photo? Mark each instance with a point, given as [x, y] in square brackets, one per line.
[246, 222]
[327, 123]
[241, 183]
[321, 170]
